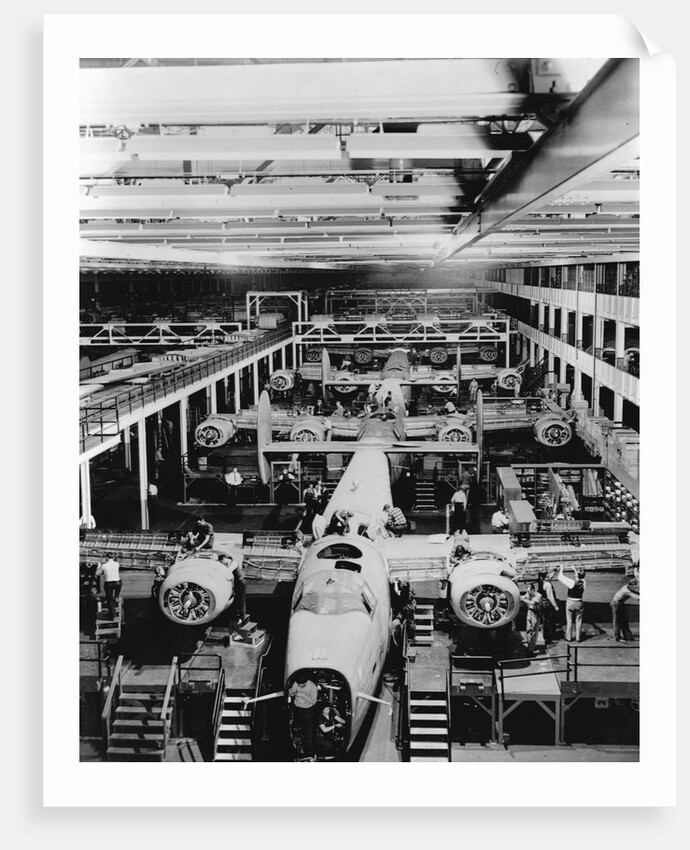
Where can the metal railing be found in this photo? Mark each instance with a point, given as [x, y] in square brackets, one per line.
[528, 673]
[167, 700]
[113, 690]
[574, 663]
[93, 418]
[102, 658]
[259, 682]
[218, 706]
[448, 724]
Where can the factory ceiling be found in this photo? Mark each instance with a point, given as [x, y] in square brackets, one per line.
[344, 164]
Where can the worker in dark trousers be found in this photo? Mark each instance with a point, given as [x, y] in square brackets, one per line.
[619, 614]
[112, 584]
[549, 611]
[303, 695]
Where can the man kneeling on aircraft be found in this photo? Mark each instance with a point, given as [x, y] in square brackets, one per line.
[340, 522]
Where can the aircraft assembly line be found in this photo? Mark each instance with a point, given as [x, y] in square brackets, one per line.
[359, 415]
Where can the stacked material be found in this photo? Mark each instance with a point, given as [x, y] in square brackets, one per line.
[140, 550]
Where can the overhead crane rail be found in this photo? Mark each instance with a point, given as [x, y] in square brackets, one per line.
[102, 420]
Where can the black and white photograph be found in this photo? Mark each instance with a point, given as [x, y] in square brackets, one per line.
[359, 393]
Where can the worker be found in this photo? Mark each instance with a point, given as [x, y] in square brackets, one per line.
[294, 466]
[395, 521]
[458, 502]
[203, 534]
[574, 604]
[549, 605]
[340, 521]
[152, 492]
[285, 490]
[112, 583]
[303, 694]
[339, 409]
[466, 481]
[449, 407]
[500, 522]
[158, 579]
[327, 730]
[533, 600]
[233, 566]
[388, 400]
[233, 480]
[474, 387]
[619, 614]
[461, 546]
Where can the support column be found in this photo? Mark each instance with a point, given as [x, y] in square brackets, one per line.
[532, 353]
[236, 393]
[143, 473]
[564, 366]
[85, 485]
[212, 398]
[270, 363]
[598, 333]
[552, 319]
[127, 443]
[295, 362]
[225, 393]
[617, 407]
[541, 309]
[255, 380]
[579, 321]
[620, 344]
[283, 364]
[184, 447]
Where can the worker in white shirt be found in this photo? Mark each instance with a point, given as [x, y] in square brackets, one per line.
[110, 570]
[500, 522]
[233, 480]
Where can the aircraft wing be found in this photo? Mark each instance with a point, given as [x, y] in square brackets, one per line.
[337, 447]
[415, 558]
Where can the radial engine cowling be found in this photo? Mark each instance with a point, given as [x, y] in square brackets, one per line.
[307, 430]
[508, 379]
[344, 386]
[215, 431]
[553, 431]
[483, 593]
[455, 432]
[196, 590]
[282, 380]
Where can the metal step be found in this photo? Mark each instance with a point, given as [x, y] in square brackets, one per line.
[429, 717]
[135, 754]
[429, 745]
[427, 731]
[223, 756]
[133, 739]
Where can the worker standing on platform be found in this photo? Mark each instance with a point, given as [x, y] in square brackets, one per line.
[458, 502]
[549, 606]
[533, 600]
[574, 605]
[619, 614]
[233, 480]
[474, 387]
[240, 586]
[112, 583]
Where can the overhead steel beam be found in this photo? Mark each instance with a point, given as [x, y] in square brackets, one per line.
[600, 130]
[389, 90]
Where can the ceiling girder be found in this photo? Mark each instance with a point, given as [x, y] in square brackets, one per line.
[600, 131]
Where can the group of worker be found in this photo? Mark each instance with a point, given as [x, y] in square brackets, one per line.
[317, 719]
[542, 607]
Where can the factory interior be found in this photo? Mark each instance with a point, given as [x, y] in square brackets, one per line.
[359, 431]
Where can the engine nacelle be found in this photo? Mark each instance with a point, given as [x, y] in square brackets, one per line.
[344, 386]
[363, 356]
[312, 355]
[488, 353]
[482, 592]
[215, 431]
[282, 380]
[508, 379]
[445, 385]
[438, 356]
[196, 590]
[552, 430]
[308, 430]
[454, 432]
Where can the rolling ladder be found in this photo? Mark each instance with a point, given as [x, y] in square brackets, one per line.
[423, 625]
[234, 737]
[425, 496]
[106, 627]
[428, 729]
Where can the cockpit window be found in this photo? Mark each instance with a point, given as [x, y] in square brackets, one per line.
[331, 592]
[340, 550]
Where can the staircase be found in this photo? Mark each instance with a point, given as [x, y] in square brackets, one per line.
[106, 627]
[234, 737]
[423, 625]
[428, 732]
[533, 377]
[138, 731]
[425, 496]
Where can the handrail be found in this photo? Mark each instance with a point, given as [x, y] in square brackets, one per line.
[526, 674]
[131, 398]
[191, 666]
[218, 704]
[259, 680]
[101, 659]
[576, 663]
[450, 748]
[107, 708]
[166, 702]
